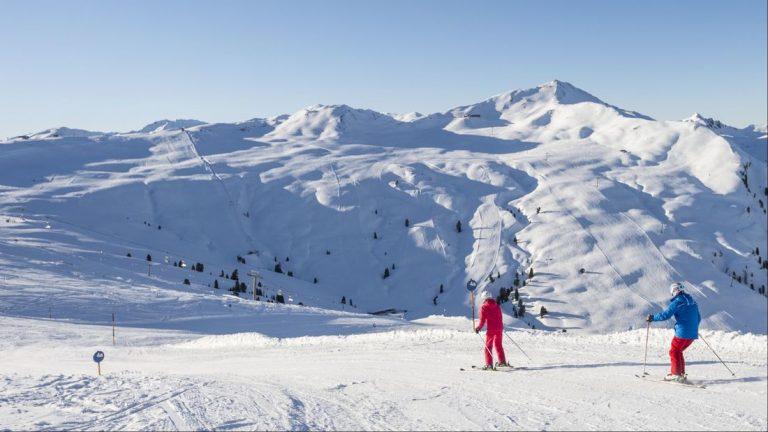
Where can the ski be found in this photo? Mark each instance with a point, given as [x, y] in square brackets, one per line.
[496, 369]
[684, 383]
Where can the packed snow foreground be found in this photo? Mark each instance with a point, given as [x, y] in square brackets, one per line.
[548, 197]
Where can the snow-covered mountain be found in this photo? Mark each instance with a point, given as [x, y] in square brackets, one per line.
[170, 125]
[750, 139]
[606, 206]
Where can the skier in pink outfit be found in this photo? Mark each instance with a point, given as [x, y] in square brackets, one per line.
[490, 314]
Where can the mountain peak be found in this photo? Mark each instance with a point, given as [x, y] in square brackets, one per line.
[699, 119]
[168, 125]
[66, 132]
[331, 121]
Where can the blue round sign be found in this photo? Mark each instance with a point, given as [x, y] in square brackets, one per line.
[471, 285]
[98, 356]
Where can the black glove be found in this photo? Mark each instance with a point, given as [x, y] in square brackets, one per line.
[649, 318]
[477, 331]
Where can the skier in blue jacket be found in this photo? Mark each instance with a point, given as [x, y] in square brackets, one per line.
[686, 312]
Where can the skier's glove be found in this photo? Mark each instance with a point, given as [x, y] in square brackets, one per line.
[649, 318]
[477, 330]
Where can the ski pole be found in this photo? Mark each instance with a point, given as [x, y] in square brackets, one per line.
[718, 357]
[518, 346]
[645, 359]
[486, 347]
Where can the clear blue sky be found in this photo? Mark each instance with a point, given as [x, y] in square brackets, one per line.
[117, 65]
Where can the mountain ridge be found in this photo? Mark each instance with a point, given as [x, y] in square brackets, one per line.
[336, 195]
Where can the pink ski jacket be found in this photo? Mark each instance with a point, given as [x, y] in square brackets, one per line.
[490, 313]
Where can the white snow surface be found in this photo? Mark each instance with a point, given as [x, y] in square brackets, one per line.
[549, 178]
[396, 375]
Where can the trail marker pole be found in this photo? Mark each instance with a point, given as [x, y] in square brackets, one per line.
[98, 356]
[113, 329]
[472, 300]
[255, 275]
[471, 287]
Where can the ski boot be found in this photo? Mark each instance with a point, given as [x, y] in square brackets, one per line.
[674, 378]
[488, 368]
[505, 364]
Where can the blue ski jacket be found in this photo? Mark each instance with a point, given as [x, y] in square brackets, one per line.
[686, 312]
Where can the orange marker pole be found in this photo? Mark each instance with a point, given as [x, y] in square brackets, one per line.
[472, 299]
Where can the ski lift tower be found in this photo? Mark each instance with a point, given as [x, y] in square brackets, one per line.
[256, 276]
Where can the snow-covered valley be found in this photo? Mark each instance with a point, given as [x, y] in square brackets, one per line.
[590, 211]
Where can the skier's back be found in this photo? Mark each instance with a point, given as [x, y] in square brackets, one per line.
[490, 315]
[687, 318]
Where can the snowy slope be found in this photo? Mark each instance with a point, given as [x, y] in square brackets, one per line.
[636, 203]
[395, 376]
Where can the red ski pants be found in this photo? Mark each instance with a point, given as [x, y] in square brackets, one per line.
[676, 354]
[493, 341]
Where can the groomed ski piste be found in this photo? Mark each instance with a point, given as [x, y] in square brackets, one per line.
[605, 205]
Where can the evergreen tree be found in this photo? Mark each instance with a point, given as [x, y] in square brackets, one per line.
[530, 273]
[315, 280]
[279, 297]
[407, 222]
[517, 295]
[234, 275]
[186, 281]
[375, 236]
[386, 273]
[458, 226]
[149, 257]
[278, 268]
[343, 300]
[393, 266]
[503, 295]
[441, 288]
[216, 284]
[290, 273]
[542, 312]
[129, 255]
[222, 274]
